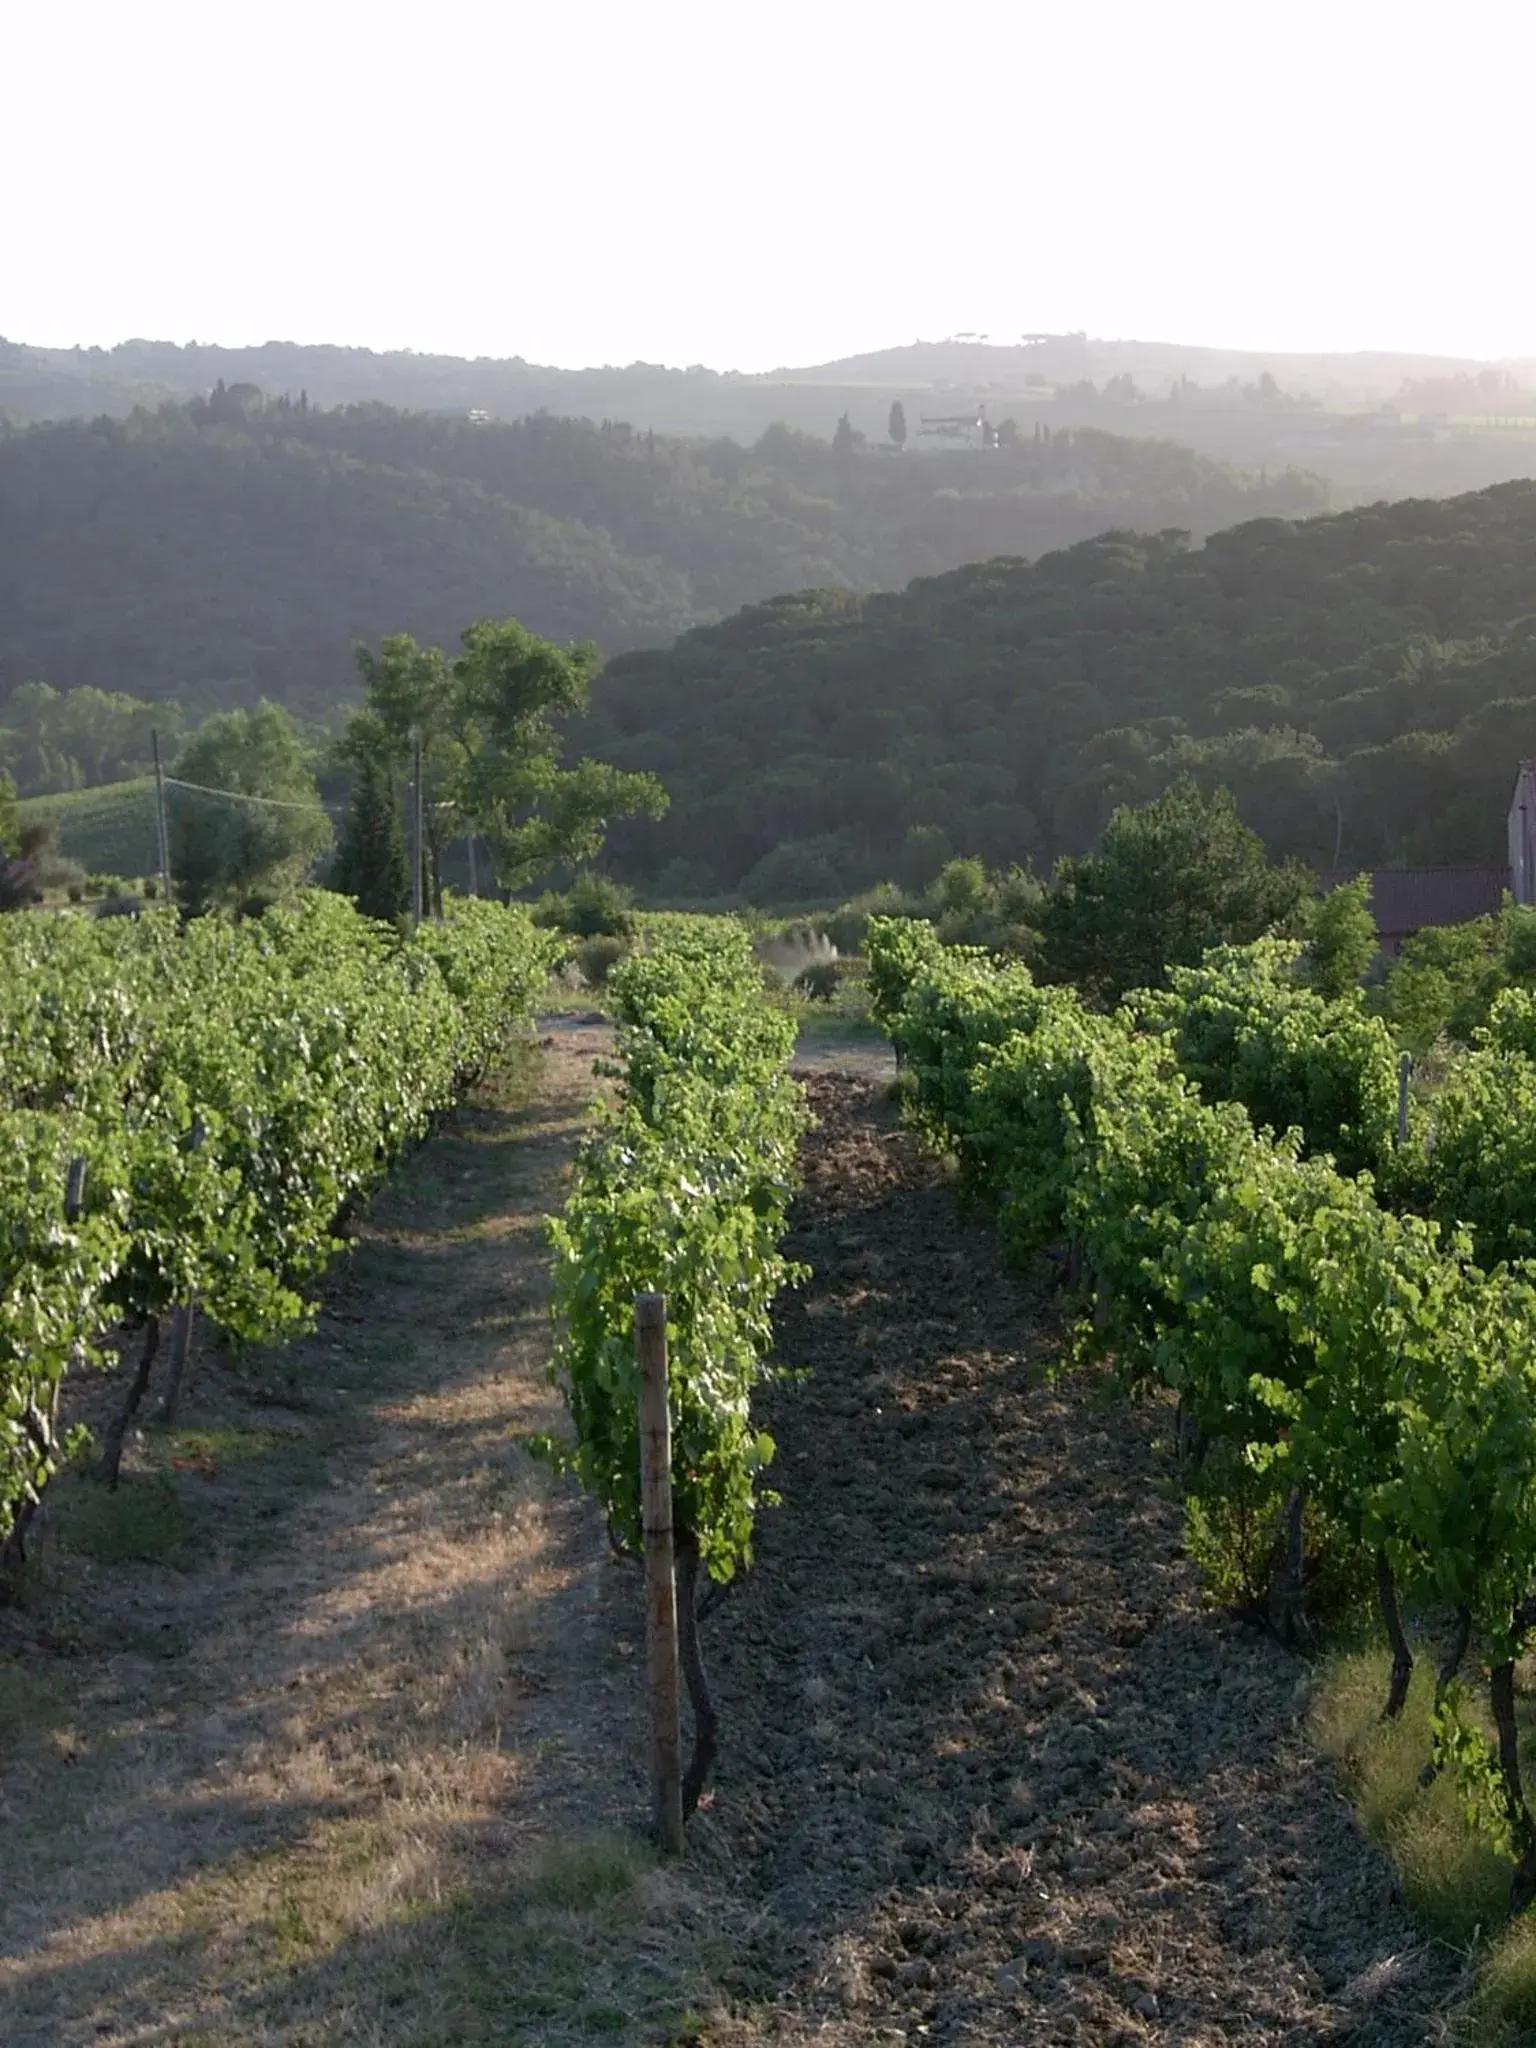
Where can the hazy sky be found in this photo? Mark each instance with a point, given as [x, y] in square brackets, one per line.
[579, 181]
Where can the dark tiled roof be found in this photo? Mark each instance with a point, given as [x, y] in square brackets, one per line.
[1404, 900]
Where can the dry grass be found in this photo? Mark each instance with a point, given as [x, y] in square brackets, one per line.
[1454, 1883]
[1452, 1880]
[1504, 2006]
[342, 1750]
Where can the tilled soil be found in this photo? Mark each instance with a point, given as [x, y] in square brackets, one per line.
[992, 1770]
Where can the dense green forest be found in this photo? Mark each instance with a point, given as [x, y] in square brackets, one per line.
[235, 547]
[1365, 684]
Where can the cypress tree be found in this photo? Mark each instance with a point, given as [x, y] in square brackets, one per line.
[370, 861]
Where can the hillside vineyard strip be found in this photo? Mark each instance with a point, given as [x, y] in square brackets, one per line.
[683, 1189]
[232, 1090]
[1355, 1352]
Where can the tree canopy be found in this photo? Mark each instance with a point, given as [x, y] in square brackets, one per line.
[1341, 938]
[77, 738]
[1363, 683]
[489, 724]
[265, 828]
[232, 547]
[1171, 879]
[370, 864]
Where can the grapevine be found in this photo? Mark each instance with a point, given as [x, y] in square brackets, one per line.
[1362, 1358]
[682, 1189]
[233, 1089]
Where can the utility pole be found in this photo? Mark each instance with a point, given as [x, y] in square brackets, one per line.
[474, 887]
[416, 860]
[161, 835]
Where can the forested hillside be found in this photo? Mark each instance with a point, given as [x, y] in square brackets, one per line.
[1373, 425]
[1365, 684]
[236, 546]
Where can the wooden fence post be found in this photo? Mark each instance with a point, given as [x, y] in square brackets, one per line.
[660, 1577]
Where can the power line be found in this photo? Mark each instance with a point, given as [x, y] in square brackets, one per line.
[239, 796]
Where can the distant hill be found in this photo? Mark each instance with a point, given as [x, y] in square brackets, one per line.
[1317, 412]
[51, 383]
[1365, 683]
[1361, 378]
[236, 546]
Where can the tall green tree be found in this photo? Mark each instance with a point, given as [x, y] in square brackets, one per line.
[71, 739]
[492, 724]
[413, 696]
[1341, 938]
[1169, 880]
[897, 425]
[248, 819]
[370, 857]
[22, 847]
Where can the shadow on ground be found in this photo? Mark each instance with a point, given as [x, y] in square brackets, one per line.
[294, 1727]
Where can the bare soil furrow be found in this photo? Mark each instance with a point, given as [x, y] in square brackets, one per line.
[994, 1771]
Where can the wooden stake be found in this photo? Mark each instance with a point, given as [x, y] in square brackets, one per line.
[162, 833]
[660, 1576]
[416, 888]
[1404, 1072]
[181, 1345]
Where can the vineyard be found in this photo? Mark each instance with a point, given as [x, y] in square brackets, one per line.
[1020, 1435]
[190, 1115]
[1324, 1341]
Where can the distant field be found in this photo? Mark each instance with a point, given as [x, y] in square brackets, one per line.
[110, 830]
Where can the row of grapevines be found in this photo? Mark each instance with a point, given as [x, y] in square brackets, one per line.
[1479, 1166]
[1358, 1356]
[1246, 1029]
[232, 1089]
[682, 1189]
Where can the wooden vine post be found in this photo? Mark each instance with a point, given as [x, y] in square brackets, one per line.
[660, 1575]
[1404, 1076]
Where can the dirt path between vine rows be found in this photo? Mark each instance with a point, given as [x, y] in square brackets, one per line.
[321, 1730]
[993, 1773]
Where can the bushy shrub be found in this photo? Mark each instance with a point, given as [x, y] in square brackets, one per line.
[595, 906]
[598, 957]
[820, 981]
[968, 904]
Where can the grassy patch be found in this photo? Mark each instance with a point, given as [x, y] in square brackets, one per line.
[213, 1450]
[146, 1521]
[1454, 1883]
[1504, 2008]
[575, 1876]
[591, 1941]
[32, 1703]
